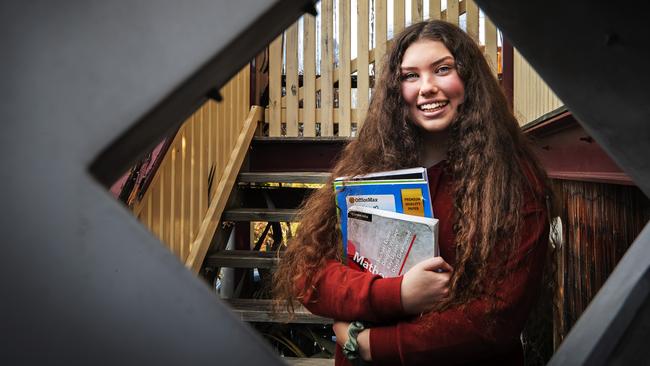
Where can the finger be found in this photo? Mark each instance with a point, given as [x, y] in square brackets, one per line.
[430, 263]
[436, 264]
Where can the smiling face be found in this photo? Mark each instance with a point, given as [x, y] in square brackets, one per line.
[431, 86]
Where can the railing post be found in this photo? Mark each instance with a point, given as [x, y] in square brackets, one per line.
[507, 72]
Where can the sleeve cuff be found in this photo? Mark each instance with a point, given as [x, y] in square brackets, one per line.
[384, 346]
[386, 297]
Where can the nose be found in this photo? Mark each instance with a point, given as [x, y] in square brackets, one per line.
[428, 85]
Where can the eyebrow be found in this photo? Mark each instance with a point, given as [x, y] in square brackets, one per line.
[435, 63]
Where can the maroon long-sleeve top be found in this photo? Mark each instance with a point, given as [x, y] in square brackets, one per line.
[457, 336]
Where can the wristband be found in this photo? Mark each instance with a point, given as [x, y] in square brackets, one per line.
[351, 347]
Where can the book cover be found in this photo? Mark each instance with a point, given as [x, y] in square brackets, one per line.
[389, 243]
[403, 195]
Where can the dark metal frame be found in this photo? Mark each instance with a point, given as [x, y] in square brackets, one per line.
[88, 88]
[594, 55]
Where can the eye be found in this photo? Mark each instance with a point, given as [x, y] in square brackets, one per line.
[409, 76]
[444, 69]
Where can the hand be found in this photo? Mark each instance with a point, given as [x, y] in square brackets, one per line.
[425, 284]
[341, 331]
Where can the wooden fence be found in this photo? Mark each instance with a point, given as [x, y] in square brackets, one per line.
[327, 82]
[532, 98]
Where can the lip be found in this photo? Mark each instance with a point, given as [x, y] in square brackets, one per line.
[433, 114]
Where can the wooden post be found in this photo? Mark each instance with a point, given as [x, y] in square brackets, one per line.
[380, 34]
[416, 11]
[326, 91]
[472, 20]
[398, 16]
[291, 85]
[345, 100]
[491, 44]
[363, 81]
[434, 9]
[275, 87]
[309, 77]
[452, 11]
[508, 71]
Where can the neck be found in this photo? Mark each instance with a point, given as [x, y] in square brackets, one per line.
[434, 148]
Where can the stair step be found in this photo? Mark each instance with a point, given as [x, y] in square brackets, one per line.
[295, 361]
[260, 214]
[242, 259]
[261, 310]
[284, 177]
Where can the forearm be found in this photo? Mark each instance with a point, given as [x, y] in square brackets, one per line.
[343, 293]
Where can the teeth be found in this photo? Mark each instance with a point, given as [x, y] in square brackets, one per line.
[431, 106]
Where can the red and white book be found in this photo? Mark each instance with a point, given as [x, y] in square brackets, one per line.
[389, 243]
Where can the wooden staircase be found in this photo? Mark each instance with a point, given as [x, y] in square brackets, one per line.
[277, 175]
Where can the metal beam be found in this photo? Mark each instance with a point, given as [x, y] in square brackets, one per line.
[594, 57]
[83, 282]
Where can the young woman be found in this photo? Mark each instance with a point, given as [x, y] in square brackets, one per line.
[437, 105]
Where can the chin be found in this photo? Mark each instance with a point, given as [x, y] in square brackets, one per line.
[433, 127]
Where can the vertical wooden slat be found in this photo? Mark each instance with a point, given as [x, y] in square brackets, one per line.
[309, 77]
[156, 222]
[222, 129]
[327, 51]
[491, 44]
[275, 86]
[292, 80]
[163, 202]
[345, 86]
[452, 11]
[197, 165]
[204, 158]
[515, 87]
[434, 9]
[398, 16]
[232, 113]
[218, 135]
[209, 153]
[416, 11]
[149, 211]
[222, 133]
[174, 206]
[363, 83]
[472, 20]
[193, 186]
[184, 190]
[380, 35]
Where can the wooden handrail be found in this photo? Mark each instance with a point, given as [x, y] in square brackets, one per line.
[200, 246]
[183, 187]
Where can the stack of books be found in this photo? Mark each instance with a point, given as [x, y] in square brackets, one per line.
[386, 220]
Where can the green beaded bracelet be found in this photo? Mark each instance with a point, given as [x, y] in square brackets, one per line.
[351, 347]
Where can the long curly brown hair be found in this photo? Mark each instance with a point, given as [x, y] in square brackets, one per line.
[487, 155]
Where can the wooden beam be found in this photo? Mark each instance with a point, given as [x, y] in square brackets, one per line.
[201, 244]
[261, 214]
[261, 310]
[243, 259]
[284, 177]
